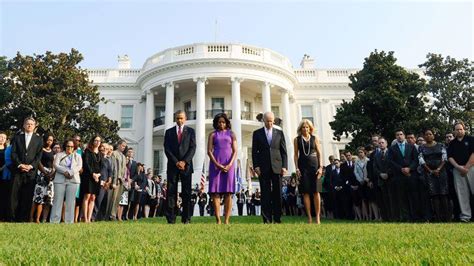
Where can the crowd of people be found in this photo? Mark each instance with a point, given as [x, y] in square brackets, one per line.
[414, 179]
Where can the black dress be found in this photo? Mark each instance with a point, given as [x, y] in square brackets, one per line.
[91, 164]
[433, 156]
[44, 188]
[308, 165]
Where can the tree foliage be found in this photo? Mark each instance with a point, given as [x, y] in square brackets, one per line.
[451, 85]
[56, 91]
[387, 97]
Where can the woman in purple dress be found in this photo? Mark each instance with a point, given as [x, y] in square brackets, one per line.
[222, 151]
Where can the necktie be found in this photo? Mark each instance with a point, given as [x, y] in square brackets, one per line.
[269, 137]
[402, 149]
[180, 135]
[383, 155]
[27, 140]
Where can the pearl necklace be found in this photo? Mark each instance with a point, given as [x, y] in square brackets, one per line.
[309, 145]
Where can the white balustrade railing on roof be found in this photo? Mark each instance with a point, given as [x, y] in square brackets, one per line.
[218, 50]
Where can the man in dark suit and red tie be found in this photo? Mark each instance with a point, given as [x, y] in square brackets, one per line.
[26, 154]
[180, 146]
[270, 162]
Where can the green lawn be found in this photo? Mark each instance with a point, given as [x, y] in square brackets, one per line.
[246, 241]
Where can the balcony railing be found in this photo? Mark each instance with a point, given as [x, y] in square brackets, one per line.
[210, 114]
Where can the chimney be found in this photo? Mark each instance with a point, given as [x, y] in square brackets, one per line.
[124, 62]
[307, 62]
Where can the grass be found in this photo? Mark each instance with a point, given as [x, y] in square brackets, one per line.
[246, 241]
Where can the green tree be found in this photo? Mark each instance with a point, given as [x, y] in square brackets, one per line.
[451, 85]
[56, 91]
[387, 97]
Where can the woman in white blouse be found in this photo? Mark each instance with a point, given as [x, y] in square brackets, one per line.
[66, 181]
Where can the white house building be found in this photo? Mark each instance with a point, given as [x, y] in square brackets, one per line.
[204, 79]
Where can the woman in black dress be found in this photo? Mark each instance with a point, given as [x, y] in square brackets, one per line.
[309, 167]
[90, 178]
[44, 192]
[432, 157]
[139, 191]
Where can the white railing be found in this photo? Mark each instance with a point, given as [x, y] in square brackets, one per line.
[218, 50]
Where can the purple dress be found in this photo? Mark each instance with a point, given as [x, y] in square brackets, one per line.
[219, 181]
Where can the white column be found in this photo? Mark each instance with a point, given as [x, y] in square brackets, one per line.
[285, 104]
[200, 127]
[149, 116]
[236, 116]
[169, 115]
[326, 136]
[266, 100]
[169, 106]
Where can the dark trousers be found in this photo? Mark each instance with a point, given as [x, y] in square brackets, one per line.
[5, 200]
[99, 210]
[202, 207]
[249, 208]
[425, 212]
[385, 199]
[240, 208]
[191, 209]
[342, 204]
[270, 185]
[404, 194]
[22, 197]
[172, 197]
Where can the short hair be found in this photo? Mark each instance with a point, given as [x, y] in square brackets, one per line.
[347, 151]
[29, 118]
[375, 135]
[360, 149]
[305, 122]
[268, 113]
[426, 130]
[179, 112]
[449, 132]
[369, 147]
[331, 157]
[459, 122]
[215, 121]
[120, 142]
[400, 130]
[383, 139]
[73, 143]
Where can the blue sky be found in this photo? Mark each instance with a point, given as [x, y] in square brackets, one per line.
[335, 34]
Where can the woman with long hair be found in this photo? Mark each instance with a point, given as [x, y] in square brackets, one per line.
[90, 178]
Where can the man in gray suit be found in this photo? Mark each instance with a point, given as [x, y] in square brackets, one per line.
[270, 162]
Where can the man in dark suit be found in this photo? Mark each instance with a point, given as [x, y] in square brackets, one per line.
[180, 146]
[340, 192]
[270, 162]
[26, 155]
[403, 158]
[381, 169]
[347, 172]
[133, 168]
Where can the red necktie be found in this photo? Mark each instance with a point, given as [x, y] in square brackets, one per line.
[180, 135]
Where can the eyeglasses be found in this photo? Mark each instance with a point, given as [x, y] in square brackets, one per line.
[69, 147]
[78, 140]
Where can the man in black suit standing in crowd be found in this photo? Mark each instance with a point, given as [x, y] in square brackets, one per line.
[180, 146]
[270, 162]
[381, 170]
[403, 158]
[26, 155]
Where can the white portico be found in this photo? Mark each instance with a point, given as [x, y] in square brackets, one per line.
[205, 79]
